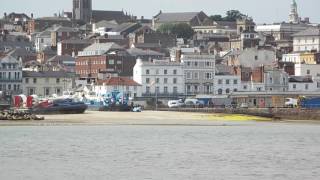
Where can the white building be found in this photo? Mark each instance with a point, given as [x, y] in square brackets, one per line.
[202, 76]
[125, 85]
[159, 77]
[281, 31]
[10, 75]
[303, 84]
[307, 70]
[43, 41]
[292, 57]
[307, 40]
[45, 84]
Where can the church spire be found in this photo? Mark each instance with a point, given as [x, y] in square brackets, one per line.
[294, 16]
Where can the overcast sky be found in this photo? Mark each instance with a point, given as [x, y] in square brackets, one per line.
[263, 11]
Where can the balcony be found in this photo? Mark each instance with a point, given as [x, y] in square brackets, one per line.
[7, 80]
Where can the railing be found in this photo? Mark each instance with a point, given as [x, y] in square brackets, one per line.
[10, 80]
[162, 94]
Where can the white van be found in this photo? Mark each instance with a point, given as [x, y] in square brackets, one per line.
[175, 103]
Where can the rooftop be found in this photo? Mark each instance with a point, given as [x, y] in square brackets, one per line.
[118, 81]
[45, 74]
[308, 32]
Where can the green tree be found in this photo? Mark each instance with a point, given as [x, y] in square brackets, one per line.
[181, 30]
[233, 15]
[216, 17]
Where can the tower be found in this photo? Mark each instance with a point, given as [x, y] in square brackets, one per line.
[82, 10]
[294, 16]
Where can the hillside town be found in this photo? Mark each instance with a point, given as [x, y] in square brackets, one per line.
[172, 56]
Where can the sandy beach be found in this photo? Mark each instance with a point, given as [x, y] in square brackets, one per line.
[131, 118]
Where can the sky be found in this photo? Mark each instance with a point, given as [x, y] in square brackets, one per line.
[262, 11]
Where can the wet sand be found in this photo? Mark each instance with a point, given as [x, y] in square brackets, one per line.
[131, 118]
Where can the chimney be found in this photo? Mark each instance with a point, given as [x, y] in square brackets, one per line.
[5, 15]
[31, 16]
[142, 17]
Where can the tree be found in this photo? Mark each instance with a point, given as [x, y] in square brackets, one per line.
[216, 17]
[233, 15]
[181, 30]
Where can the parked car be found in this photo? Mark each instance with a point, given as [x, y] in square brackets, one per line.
[175, 103]
[194, 103]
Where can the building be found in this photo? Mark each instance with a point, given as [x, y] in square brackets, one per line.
[252, 57]
[145, 55]
[123, 84]
[302, 58]
[104, 57]
[60, 33]
[10, 74]
[82, 10]
[161, 78]
[302, 84]
[281, 31]
[307, 40]
[307, 70]
[41, 24]
[191, 18]
[275, 80]
[43, 41]
[204, 77]
[72, 46]
[46, 83]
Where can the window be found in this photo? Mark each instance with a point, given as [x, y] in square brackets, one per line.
[245, 87]
[196, 75]
[306, 86]
[147, 71]
[175, 89]
[46, 91]
[58, 80]
[188, 63]
[195, 88]
[235, 81]
[27, 80]
[34, 80]
[58, 91]
[147, 89]
[165, 71]
[208, 75]
[188, 88]
[208, 64]
[235, 90]
[220, 81]
[175, 71]
[318, 84]
[111, 61]
[294, 86]
[308, 72]
[227, 91]
[196, 64]
[158, 80]
[165, 90]
[270, 80]
[219, 91]
[188, 75]
[256, 58]
[147, 80]
[175, 81]
[157, 71]
[227, 81]
[165, 80]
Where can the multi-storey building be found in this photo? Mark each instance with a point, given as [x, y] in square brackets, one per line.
[10, 75]
[104, 57]
[46, 83]
[202, 76]
[307, 40]
[160, 78]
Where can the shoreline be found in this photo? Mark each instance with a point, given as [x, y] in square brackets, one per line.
[151, 118]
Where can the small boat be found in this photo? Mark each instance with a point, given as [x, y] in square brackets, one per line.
[60, 106]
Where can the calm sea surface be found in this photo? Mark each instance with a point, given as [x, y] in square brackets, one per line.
[236, 151]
